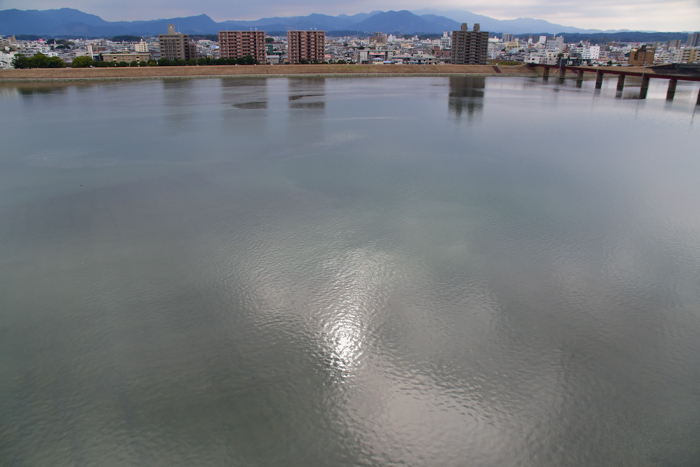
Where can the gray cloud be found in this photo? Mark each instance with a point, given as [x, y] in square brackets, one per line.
[670, 15]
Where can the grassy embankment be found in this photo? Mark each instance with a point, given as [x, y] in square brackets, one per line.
[80, 74]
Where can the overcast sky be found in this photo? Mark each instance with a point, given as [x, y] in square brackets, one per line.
[656, 15]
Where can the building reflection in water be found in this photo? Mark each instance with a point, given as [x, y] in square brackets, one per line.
[467, 97]
[307, 93]
[245, 93]
[37, 89]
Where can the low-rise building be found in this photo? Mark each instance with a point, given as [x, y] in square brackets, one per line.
[126, 57]
[641, 56]
[687, 55]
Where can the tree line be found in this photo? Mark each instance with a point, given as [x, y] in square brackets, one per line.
[42, 61]
[37, 61]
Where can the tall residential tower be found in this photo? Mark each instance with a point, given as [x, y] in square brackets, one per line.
[240, 44]
[306, 46]
[470, 47]
[176, 46]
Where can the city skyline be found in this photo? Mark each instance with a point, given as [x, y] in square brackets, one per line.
[675, 15]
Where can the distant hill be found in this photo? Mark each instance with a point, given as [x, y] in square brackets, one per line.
[513, 26]
[75, 23]
[627, 36]
[406, 22]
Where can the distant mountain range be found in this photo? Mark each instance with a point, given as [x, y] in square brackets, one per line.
[75, 23]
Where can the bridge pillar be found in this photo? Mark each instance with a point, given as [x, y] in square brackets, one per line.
[645, 87]
[545, 72]
[671, 89]
[562, 74]
[620, 83]
[579, 76]
[698, 102]
[598, 79]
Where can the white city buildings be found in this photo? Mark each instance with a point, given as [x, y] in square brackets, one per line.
[6, 59]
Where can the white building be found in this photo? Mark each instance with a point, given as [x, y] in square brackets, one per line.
[535, 58]
[6, 59]
[555, 44]
[445, 41]
[593, 53]
[141, 47]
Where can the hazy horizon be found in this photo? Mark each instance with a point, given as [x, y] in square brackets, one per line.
[642, 15]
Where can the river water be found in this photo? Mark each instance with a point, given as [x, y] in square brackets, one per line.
[349, 271]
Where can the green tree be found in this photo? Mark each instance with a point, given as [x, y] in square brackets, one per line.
[152, 63]
[202, 61]
[143, 63]
[181, 62]
[249, 60]
[134, 64]
[20, 61]
[123, 64]
[191, 62]
[39, 61]
[55, 62]
[163, 62]
[82, 62]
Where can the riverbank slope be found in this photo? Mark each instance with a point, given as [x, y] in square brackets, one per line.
[163, 72]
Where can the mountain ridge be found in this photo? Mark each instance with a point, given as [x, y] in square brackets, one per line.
[68, 21]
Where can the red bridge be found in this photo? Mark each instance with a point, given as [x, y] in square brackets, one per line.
[671, 73]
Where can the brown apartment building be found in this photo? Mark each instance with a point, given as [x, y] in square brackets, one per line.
[306, 46]
[641, 56]
[470, 47]
[176, 46]
[240, 44]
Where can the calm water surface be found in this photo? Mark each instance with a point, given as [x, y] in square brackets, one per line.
[364, 271]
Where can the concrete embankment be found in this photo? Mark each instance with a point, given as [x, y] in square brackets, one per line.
[98, 74]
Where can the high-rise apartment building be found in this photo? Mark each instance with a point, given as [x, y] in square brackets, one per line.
[240, 44]
[306, 46]
[470, 47]
[176, 46]
[674, 44]
[507, 38]
[693, 39]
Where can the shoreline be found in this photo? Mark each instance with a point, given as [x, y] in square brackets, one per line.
[257, 71]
